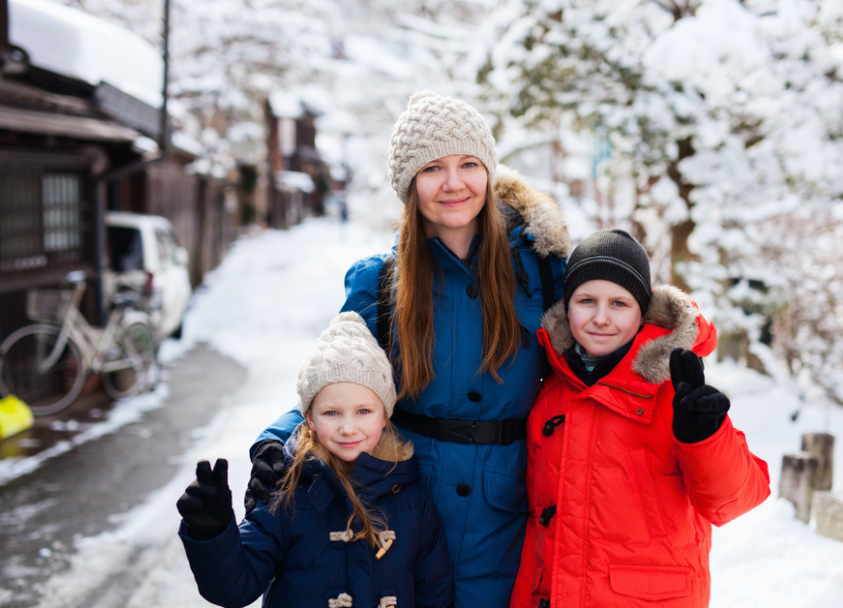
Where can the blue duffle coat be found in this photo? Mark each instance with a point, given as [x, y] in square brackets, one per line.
[479, 490]
[301, 558]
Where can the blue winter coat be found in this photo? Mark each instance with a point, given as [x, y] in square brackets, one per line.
[479, 490]
[300, 559]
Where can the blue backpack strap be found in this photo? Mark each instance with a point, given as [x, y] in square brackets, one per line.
[383, 321]
[515, 220]
[546, 276]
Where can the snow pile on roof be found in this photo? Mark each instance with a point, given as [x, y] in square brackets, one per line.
[295, 180]
[73, 43]
[285, 105]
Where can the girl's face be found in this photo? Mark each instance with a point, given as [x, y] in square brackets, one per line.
[451, 191]
[347, 418]
[603, 316]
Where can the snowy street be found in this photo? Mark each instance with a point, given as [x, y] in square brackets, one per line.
[245, 334]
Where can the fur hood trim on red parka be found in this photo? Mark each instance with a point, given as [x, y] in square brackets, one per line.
[670, 308]
[542, 214]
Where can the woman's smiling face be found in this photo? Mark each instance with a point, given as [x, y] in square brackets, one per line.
[451, 192]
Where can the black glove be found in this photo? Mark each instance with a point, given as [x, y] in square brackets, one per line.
[267, 471]
[205, 505]
[698, 409]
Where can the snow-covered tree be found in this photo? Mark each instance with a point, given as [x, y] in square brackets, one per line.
[809, 321]
[726, 113]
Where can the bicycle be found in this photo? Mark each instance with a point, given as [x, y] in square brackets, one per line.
[46, 364]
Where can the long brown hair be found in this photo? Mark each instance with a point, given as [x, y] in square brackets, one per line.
[390, 448]
[413, 316]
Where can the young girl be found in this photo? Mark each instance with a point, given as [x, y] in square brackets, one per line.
[350, 525]
[631, 456]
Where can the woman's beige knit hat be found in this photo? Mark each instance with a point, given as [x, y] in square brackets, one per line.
[434, 126]
[346, 352]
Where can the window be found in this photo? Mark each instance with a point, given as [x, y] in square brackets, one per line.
[20, 223]
[126, 248]
[41, 211]
[60, 196]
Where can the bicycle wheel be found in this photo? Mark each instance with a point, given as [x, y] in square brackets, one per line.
[130, 366]
[46, 391]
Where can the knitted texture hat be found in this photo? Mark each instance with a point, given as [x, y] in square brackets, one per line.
[346, 352]
[610, 255]
[434, 126]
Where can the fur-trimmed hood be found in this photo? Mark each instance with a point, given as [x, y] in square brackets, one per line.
[670, 308]
[539, 211]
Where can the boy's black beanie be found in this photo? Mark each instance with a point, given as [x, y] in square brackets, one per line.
[610, 255]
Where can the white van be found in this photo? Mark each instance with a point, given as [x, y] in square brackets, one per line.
[144, 254]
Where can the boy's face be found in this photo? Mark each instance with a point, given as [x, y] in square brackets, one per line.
[348, 419]
[603, 316]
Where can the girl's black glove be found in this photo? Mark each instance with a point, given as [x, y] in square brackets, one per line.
[205, 505]
[698, 409]
[267, 471]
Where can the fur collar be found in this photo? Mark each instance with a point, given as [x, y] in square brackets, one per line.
[670, 308]
[545, 220]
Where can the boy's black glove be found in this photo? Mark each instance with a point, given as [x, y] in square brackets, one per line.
[698, 409]
[205, 505]
[267, 471]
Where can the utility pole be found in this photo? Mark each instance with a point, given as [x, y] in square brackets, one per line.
[164, 131]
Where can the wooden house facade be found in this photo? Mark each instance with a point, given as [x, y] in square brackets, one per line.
[300, 178]
[69, 152]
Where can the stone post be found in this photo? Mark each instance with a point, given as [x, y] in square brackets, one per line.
[827, 513]
[821, 445]
[797, 482]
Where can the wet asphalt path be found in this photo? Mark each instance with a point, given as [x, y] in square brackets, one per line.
[81, 492]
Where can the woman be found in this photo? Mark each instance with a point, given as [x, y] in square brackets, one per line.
[467, 296]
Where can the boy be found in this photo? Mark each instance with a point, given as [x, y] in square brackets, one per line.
[631, 456]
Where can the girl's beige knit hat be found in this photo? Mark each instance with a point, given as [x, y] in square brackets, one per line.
[434, 126]
[346, 352]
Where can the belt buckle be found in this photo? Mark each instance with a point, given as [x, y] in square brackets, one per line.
[467, 438]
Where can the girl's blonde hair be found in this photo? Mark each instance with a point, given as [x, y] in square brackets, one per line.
[413, 317]
[390, 448]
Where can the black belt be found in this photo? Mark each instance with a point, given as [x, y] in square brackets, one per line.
[502, 432]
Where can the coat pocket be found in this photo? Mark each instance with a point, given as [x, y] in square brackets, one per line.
[650, 582]
[505, 492]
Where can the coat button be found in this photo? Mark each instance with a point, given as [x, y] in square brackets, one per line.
[474, 396]
[463, 489]
[473, 291]
[396, 488]
[640, 411]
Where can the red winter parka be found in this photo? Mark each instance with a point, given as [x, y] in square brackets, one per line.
[620, 511]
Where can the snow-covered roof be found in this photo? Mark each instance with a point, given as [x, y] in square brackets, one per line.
[76, 44]
[285, 105]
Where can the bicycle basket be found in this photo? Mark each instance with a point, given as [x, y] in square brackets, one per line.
[47, 305]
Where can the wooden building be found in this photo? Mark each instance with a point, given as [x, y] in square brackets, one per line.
[300, 178]
[74, 144]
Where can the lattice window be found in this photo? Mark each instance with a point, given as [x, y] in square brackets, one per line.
[61, 211]
[42, 211]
